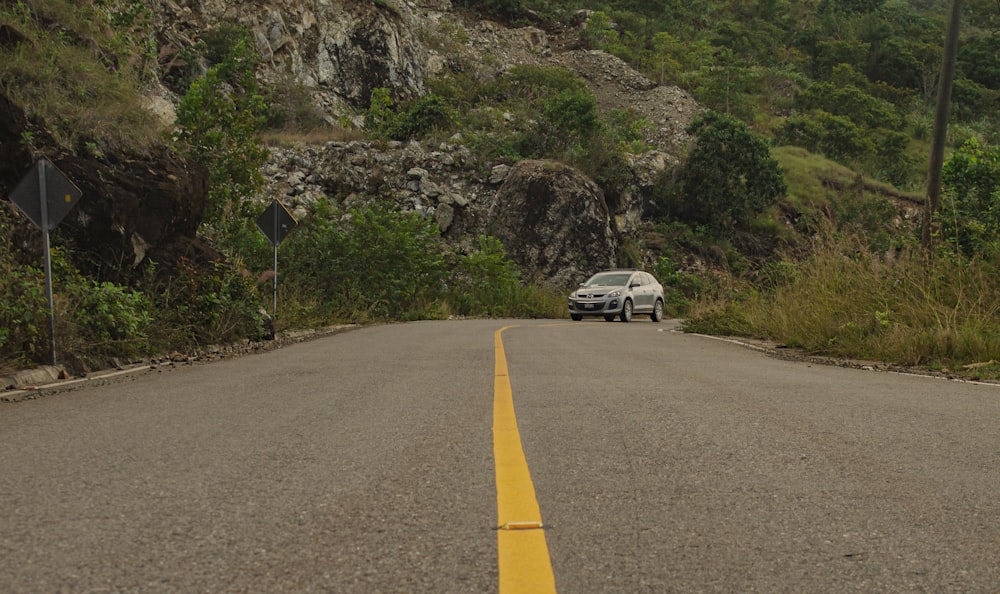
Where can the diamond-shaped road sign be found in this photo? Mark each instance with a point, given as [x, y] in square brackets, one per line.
[60, 194]
[276, 222]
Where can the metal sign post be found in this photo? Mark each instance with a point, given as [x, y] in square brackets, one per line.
[276, 223]
[45, 196]
[274, 281]
[42, 191]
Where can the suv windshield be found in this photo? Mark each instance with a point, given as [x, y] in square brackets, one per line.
[608, 280]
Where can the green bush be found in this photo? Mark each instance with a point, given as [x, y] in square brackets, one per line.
[107, 320]
[421, 117]
[24, 314]
[679, 288]
[836, 137]
[851, 102]
[411, 120]
[500, 8]
[729, 177]
[380, 120]
[484, 282]
[970, 211]
[367, 263]
[197, 306]
[218, 122]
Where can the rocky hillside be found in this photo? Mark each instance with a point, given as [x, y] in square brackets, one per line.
[341, 50]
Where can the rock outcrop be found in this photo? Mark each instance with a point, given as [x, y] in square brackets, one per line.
[441, 182]
[132, 208]
[520, 203]
[554, 222]
[341, 50]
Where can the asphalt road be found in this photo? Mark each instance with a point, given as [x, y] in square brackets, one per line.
[364, 462]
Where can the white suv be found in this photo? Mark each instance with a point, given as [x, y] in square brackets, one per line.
[618, 294]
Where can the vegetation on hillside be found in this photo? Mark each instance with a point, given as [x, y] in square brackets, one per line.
[814, 104]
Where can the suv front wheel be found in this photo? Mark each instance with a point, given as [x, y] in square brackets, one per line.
[626, 315]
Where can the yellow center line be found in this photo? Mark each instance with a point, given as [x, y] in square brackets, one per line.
[523, 554]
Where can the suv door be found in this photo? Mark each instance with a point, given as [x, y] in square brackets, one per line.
[642, 293]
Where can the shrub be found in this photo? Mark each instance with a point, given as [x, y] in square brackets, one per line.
[24, 314]
[421, 117]
[197, 306]
[105, 320]
[821, 132]
[367, 263]
[218, 121]
[679, 288]
[484, 282]
[970, 215]
[501, 8]
[729, 176]
[380, 120]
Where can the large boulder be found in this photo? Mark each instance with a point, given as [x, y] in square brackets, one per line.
[133, 208]
[553, 222]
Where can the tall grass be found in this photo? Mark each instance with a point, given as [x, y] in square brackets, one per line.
[902, 308]
[82, 78]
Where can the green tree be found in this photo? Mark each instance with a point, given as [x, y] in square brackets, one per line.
[729, 176]
[977, 59]
[599, 32]
[836, 137]
[501, 8]
[218, 122]
[727, 85]
[421, 117]
[484, 281]
[970, 215]
[667, 57]
[380, 120]
[831, 53]
[851, 102]
[851, 6]
[571, 115]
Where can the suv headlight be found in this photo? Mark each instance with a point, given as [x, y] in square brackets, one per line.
[614, 294]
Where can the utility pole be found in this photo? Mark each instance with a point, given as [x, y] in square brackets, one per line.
[940, 133]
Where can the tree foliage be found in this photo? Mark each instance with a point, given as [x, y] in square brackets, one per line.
[374, 263]
[970, 213]
[729, 176]
[218, 122]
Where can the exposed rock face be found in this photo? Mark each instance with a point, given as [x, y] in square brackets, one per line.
[441, 183]
[341, 50]
[138, 209]
[554, 222]
[132, 208]
[518, 203]
[669, 110]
